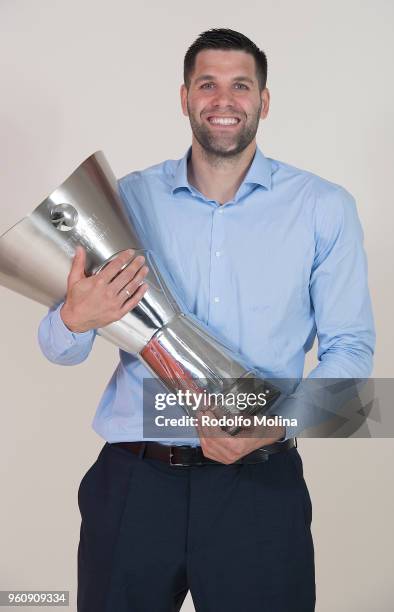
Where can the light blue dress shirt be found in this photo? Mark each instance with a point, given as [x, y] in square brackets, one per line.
[267, 271]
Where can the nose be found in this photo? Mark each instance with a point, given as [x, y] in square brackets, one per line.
[223, 97]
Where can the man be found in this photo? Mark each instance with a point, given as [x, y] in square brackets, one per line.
[267, 256]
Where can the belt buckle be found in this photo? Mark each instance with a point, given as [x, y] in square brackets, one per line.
[172, 455]
[182, 464]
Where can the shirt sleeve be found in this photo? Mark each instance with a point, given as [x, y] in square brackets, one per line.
[342, 310]
[59, 344]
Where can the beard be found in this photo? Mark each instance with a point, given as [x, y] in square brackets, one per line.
[224, 145]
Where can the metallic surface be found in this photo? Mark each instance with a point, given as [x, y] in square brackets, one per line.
[36, 256]
[36, 253]
[175, 355]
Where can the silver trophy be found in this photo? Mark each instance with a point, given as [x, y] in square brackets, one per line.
[35, 260]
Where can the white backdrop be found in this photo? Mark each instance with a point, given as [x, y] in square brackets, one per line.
[88, 75]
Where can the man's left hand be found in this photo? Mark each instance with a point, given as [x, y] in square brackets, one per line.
[219, 445]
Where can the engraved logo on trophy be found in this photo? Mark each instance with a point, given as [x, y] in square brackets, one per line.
[64, 217]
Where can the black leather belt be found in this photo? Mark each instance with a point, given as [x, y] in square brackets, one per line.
[193, 455]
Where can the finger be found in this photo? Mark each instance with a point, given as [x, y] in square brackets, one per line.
[211, 447]
[77, 271]
[216, 443]
[128, 290]
[134, 299]
[209, 427]
[127, 275]
[202, 429]
[199, 426]
[115, 266]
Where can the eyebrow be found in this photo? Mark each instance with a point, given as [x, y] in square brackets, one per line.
[210, 77]
[244, 78]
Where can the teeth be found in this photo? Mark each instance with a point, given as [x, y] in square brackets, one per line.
[223, 120]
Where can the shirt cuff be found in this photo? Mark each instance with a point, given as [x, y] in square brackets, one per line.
[64, 335]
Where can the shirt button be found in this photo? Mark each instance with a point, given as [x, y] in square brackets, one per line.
[220, 211]
[216, 299]
[218, 253]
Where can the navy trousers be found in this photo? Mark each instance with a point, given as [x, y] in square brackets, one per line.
[237, 536]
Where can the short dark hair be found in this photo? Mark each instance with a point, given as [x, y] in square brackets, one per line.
[223, 38]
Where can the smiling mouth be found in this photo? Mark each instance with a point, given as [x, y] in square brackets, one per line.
[223, 121]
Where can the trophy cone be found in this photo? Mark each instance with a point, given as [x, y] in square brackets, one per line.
[36, 253]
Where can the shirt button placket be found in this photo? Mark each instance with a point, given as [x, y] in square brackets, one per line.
[216, 294]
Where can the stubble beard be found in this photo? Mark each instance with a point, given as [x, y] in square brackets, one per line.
[218, 149]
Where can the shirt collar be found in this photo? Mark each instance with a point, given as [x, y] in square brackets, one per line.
[180, 177]
[259, 172]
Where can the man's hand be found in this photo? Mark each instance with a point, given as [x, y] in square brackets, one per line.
[218, 445]
[103, 298]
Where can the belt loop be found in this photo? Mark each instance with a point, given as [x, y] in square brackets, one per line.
[141, 451]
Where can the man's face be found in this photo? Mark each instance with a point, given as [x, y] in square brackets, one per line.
[224, 102]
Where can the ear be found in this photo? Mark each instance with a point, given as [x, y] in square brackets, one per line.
[184, 99]
[265, 103]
